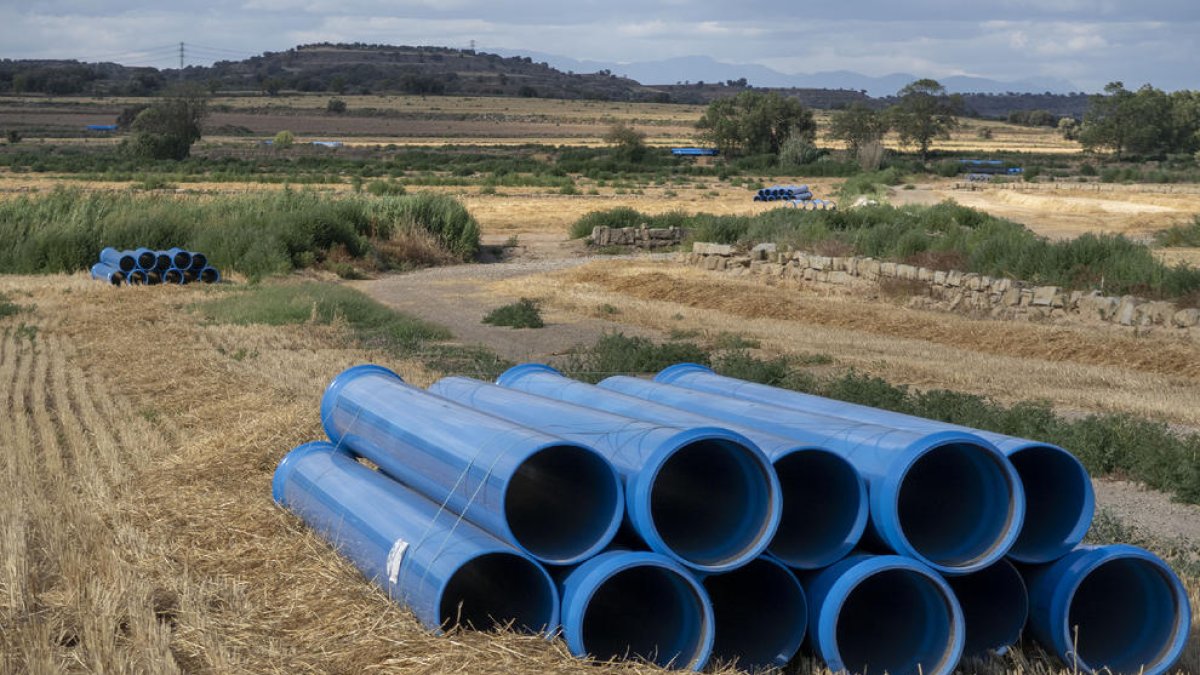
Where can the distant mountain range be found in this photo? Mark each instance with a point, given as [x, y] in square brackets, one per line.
[706, 69]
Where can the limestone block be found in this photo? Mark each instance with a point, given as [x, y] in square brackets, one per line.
[1043, 296]
[1186, 318]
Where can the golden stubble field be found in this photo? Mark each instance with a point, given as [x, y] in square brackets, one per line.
[138, 529]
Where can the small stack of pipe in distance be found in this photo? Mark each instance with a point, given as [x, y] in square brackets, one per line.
[797, 196]
[144, 266]
[696, 517]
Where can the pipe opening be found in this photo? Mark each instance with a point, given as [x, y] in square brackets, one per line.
[173, 277]
[760, 615]
[181, 260]
[648, 612]
[153, 278]
[1058, 503]
[126, 263]
[711, 501]
[162, 262]
[956, 504]
[1124, 616]
[209, 275]
[495, 590]
[994, 605]
[823, 509]
[116, 278]
[147, 260]
[137, 277]
[563, 503]
[896, 621]
[199, 261]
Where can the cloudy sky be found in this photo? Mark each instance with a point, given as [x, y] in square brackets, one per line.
[1088, 42]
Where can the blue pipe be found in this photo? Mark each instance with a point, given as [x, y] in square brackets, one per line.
[146, 259]
[949, 499]
[209, 275]
[637, 603]
[702, 495]
[884, 614]
[824, 499]
[444, 569]
[153, 278]
[1060, 501]
[136, 278]
[108, 273]
[162, 261]
[173, 276]
[124, 261]
[557, 500]
[1110, 608]
[199, 261]
[760, 613]
[995, 606]
[181, 259]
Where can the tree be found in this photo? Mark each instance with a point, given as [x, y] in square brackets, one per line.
[629, 142]
[283, 140]
[754, 122]
[924, 113]
[336, 106]
[1145, 122]
[857, 126]
[167, 128]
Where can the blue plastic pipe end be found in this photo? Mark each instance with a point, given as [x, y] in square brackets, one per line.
[950, 467]
[995, 607]
[640, 604]
[199, 261]
[329, 399]
[508, 377]
[877, 614]
[1060, 503]
[1110, 608]
[709, 498]
[180, 258]
[146, 258]
[162, 261]
[825, 508]
[210, 275]
[761, 614]
[283, 471]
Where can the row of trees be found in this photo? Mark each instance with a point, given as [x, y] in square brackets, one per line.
[1148, 122]
[756, 122]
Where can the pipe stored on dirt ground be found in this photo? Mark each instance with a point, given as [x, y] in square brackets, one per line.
[146, 259]
[173, 276]
[1116, 609]
[637, 603]
[948, 498]
[209, 275]
[447, 571]
[761, 614]
[136, 277]
[162, 261]
[703, 495]
[199, 261]
[1060, 501]
[108, 273]
[995, 606]
[181, 259]
[558, 500]
[884, 614]
[124, 261]
[824, 499]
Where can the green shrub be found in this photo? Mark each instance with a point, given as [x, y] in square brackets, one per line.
[381, 188]
[621, 216]
[1180, 235]
[523, 313]
[619, 354]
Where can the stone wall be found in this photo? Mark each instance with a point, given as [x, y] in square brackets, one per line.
[959, 291]
[638, 237]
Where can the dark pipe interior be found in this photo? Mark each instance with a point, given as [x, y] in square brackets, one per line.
[1056, 490]
[711, 501]
[162, 262]
[173, 277]
[498, 589]
[955, 504]
[994, 604]
[821, 505]
[1123, 616]
[182, 260]
[647, 612]
[137, 277]
[760, 615]
[127, 263]
[562, 501]
[153, 278]
[199, 261]
[147, 260]
[897, 622]
[208, 275]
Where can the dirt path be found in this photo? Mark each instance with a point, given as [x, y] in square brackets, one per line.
[1150, 513]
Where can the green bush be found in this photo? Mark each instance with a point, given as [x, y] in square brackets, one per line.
[619, 354]
[523, 313]
[381, 188]
[257, 234]
[1180, 235]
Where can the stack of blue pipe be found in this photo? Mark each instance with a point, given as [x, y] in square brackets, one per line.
[797, 196]
[697, 517]
[144, 266]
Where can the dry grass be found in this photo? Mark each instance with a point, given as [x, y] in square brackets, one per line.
[137, 526]
[1076, 367]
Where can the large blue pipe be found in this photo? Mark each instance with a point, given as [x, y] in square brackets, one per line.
[995, 606]
[173, 276]
[884, 614]
[637, 603]
[1116, 609]
[136, 277]
[949, 498]
[199, 261]
[122, 260]
[703, 495]
[209, 275]
[108, 273]
[1059, 498]
[147, 259]
[442, 568]
[824, 499]
[181, 259]
[558, 500]
[761, 614]
[162, 261]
